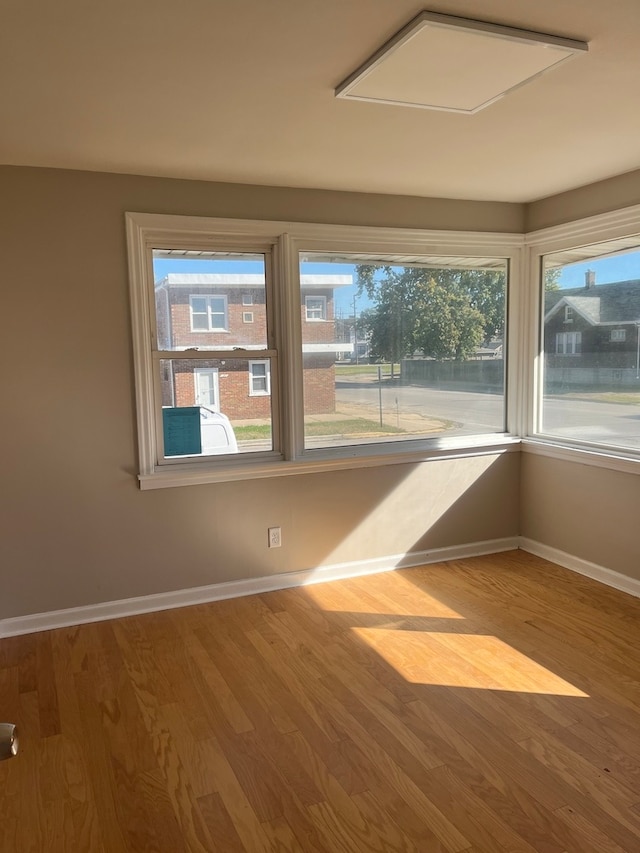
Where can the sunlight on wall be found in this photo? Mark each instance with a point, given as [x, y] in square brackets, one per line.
[463, 660]
[403, 517]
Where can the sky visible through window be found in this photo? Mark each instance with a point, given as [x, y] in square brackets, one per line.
[623, 267]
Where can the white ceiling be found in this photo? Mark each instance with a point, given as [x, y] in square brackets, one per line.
[243, 91]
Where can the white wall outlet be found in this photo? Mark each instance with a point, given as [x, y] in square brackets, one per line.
[275, 537]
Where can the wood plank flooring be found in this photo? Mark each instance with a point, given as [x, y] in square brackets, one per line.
[483, 705]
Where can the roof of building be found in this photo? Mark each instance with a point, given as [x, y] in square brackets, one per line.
[237, 280]
[617, 302]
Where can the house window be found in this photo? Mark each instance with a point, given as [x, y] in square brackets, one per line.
[247, 299]
[247, 316]
[315, 307]
[568, 314]
[418, 387]
[259, 379]
[578, 370]
[568, 343]
[208, 313]
[413, 331]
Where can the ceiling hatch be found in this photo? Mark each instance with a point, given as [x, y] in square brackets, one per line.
[442, 62]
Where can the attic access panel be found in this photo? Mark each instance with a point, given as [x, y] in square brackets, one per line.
[442, 62]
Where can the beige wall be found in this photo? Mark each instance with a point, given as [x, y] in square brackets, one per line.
[587, 512]
[601, 197]
[75, 529]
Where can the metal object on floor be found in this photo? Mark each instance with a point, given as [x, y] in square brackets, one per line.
[8, 741]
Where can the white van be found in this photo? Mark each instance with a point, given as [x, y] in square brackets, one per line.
[216, 433]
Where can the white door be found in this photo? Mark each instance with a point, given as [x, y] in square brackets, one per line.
[207, 387]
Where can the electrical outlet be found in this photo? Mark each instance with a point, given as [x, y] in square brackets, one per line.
[275, 537]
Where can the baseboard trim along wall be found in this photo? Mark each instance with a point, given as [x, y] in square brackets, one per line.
[233, 589]
[582, 567]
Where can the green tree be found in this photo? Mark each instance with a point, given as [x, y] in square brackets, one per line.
[447, 326]
[445, 313]
[552, 279]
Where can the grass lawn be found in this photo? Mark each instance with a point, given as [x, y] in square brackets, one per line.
[347, 426]
[624, 398]
[365, 370]
[627, 399]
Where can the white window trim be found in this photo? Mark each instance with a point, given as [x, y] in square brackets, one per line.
[252, 391]
[287, 240]
[583, 232]
[618, 336]
[323, 310]
[208, 297]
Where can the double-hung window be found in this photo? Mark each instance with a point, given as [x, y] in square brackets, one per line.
[259, 378]
[315, 308]
[365, 346]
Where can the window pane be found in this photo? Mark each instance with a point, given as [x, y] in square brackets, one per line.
[409, 350]
[591, 344]
[218, 391]
[259, 377]
[199, 304]
[199, 300]
[199, 322]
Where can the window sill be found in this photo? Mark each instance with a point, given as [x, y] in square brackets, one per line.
[611, 458]
[320, 461]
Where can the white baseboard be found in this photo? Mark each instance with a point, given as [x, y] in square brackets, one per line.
[582, 567]
[233, 589]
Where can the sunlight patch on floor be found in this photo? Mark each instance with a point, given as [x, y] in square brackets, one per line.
[406, 600]
[463, 660]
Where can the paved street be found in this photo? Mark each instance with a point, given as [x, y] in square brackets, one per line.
[470, 412]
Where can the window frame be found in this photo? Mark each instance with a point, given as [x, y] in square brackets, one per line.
[209, 297]
[267, 377]
[323, 309]
[284, 242]
[571, 343]
[616, 225]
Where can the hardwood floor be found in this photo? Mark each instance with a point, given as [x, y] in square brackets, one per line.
[489, 704]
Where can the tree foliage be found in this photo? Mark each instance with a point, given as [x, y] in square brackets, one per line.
[441, 313]
[552, 279]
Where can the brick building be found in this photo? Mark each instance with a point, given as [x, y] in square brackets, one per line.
[219, 311]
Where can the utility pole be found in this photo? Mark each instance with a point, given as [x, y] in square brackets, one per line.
[355, 327]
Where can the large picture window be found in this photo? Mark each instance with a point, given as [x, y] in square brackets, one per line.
[352, 356]
[409, 351]
[590, 389]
